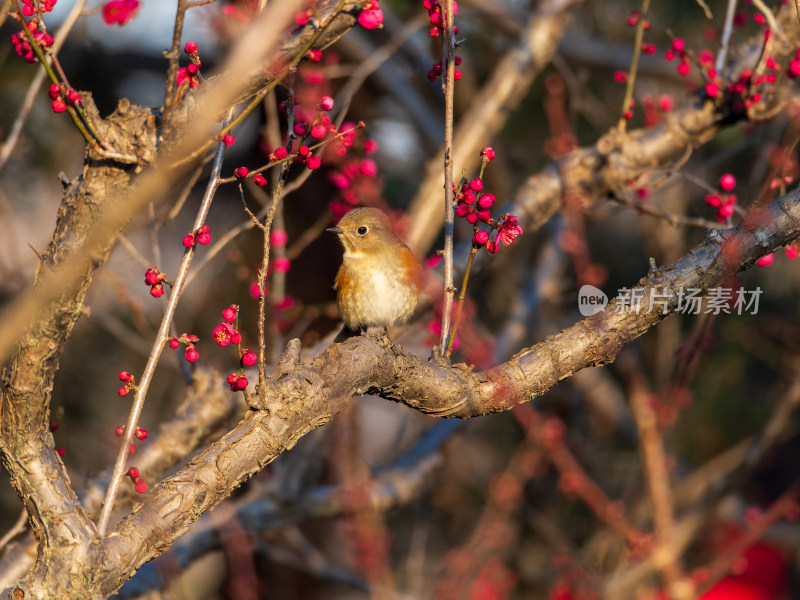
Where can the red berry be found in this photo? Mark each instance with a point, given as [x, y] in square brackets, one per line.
[152, 276]
[118, 431]
[278, 238]
[190, 48]
[480, 238]
[313, 162]
[228, 139]
[191, 355]
[241, 172]
[54, 91]
[231, 379]
[249, 358]
[204, 238]
[229, 314]
[73, 97]
[141, 433]
[174, 343]
[725, 211]
[766, 260]
[125, 376]
[279, 154]
[59, 106]
[486, 201]
[259, 180]
[157, 291]
[318, 131]
[188, 240]
[476, 184]
[60, 451]
[241, 382]
[140, 485]
[665, 102]
[488, 154]
[326, 103]
[123, 391]
[368, 168]
[727, 182]
[133, 472]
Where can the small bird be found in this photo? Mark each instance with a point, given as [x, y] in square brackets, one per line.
[378, 282]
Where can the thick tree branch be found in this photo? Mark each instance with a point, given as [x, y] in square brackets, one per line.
[619, 158]
[300, 397]
[96, 208]
[65, 535]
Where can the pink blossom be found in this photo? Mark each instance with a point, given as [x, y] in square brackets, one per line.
[368, 168]
[766, 260]
[119, 12]
[727, 182]
[223, 334]
[371, 17]
[509, 230]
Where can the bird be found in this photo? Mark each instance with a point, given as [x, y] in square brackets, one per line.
[378, 282]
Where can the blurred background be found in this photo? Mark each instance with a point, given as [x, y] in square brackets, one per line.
[550, 500]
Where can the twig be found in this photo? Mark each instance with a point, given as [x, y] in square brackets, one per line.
[459, 310]
[705, 8]
[651, 444]
[173, 55]
[17, 528]
[33, 89]
[134, 252]
[259, 97]
[673, 219]
[262, 278]
[770, 17]
[449, 54]
[726, 36]
[637, 52]
[187, 189]
[158, 347]
[254, 221]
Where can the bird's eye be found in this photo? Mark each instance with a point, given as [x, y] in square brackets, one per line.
[362, 230]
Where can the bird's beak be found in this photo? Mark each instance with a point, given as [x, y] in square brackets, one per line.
[337, 230]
